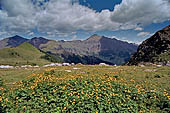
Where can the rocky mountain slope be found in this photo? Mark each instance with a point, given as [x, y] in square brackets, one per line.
[156, 49]
[106, 49]
[94, 50]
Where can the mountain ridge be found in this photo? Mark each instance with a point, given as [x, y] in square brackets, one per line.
[12, 42]
[106, 49]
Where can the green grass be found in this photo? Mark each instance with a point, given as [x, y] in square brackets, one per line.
[141, 75]
[22, 55]
[10, 76]
[104, 89]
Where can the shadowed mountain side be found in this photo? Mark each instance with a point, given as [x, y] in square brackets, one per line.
[37, 41]
[106, 49]
[12, 42]
[156, 49]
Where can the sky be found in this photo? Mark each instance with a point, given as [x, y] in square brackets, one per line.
[128, 20]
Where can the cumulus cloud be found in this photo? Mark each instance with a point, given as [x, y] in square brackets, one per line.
[138, 29]
[56, 17]
[17, 16]
[62, 16]
[125, 39]
[18, 7]
[65, 17]
[143, 34]
[134, 12]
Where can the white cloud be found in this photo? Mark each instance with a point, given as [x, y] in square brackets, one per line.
[18, 7]
[143, 34]
[17, 17]
[2, 33]
[114, 37]
[138, 29]
[62, 18]
[31, 34]
[125, 39]
[133, 42]
[74, 37]
[134, 12]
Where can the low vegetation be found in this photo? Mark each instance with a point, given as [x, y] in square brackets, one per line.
[87, 89]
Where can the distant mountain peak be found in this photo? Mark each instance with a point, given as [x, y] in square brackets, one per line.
[16, 37]
[12, 42]
[37, 41]
[95, 37]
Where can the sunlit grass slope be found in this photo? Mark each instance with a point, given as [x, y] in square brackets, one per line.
[22, 55]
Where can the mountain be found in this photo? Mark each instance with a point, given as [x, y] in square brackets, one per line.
[106, 49]
[12, 42]
[24, 54]
[156, 49]
[37, 41]
[94, 50]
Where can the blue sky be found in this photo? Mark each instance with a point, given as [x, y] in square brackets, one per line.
[128, 20]
[100, 5]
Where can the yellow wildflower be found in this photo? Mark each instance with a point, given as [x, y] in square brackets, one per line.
[6, 99]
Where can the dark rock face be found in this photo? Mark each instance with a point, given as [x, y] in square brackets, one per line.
[151, 48]
[115, 50]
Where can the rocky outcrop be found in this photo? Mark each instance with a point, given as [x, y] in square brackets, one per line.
[156, 49]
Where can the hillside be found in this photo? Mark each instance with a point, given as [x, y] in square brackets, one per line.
[156, 49]
[24, 54]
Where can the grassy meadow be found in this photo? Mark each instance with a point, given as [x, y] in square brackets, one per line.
[24, 54]
[81, 88]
